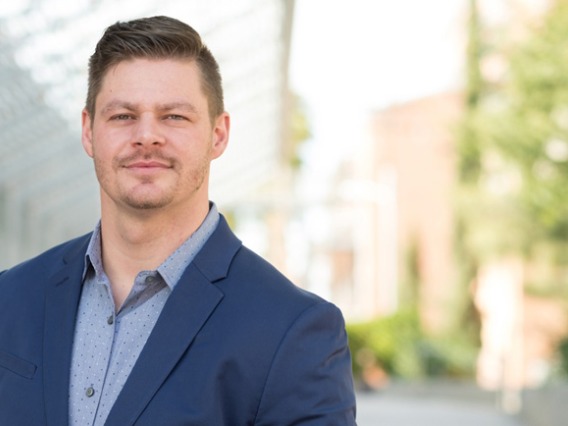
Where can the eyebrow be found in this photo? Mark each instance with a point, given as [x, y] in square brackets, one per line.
[180, 105]
[116, 104]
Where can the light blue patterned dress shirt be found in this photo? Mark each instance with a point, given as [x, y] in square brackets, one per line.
[108, 343]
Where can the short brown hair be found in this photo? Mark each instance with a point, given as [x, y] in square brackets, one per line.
[158, 37]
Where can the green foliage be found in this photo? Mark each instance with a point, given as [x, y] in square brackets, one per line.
[299, 131]
[410, 277]
[474, 85]
[562, 351]
[513, 146]
[398, 346]
[534, 133]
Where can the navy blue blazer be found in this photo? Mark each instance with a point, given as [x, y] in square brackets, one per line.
[236, 344]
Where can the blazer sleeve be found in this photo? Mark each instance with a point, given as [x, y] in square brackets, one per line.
[310, 380]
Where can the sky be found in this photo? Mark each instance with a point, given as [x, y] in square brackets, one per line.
[352, 57]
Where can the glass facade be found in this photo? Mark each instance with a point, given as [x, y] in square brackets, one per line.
[48, 191]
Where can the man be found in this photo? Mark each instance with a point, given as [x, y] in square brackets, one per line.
[160, 316]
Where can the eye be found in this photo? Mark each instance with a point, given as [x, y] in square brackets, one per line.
[175, 117]
[121, 117]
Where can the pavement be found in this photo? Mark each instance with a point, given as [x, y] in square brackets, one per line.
[430, 407]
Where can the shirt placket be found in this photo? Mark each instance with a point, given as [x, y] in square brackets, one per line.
[119, 355]
[93, 351]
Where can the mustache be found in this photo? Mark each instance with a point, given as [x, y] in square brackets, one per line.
[147, 156]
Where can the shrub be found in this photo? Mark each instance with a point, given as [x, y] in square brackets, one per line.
[397, 346]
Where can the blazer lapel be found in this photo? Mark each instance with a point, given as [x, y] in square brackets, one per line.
[61, 302]
[188, 308]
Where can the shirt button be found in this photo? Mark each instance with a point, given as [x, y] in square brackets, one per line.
[110, 320]
[89, 392]
[150, 280]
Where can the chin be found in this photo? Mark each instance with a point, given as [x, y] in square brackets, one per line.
[147, 203]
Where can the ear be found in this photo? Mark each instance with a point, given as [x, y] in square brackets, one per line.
[220, 135]
[87, 133]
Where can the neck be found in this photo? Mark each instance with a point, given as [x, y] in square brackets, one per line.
[138, 241]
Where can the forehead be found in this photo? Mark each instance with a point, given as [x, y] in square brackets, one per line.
[152, 80]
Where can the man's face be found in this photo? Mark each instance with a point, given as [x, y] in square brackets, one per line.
[151, 138]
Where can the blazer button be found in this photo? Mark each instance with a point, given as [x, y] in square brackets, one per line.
[89, 392]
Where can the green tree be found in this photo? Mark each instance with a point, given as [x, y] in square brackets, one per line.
[469, 152]
[299, 131]
[513, 147]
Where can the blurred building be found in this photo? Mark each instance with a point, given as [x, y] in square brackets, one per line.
[48, 191]
[415, 142]
[392, 215]
[407, 173]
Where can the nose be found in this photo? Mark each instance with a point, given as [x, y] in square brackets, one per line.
[147, 131]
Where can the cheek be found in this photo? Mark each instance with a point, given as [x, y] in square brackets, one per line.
[101, 167]
[103, 162]
[97, 154]
[107, 146]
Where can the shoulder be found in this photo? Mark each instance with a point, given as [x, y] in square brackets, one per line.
[261, 275]
[263, 294]
[248, 280]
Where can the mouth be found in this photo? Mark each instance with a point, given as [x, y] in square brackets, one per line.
[143, 166]
[147, 165]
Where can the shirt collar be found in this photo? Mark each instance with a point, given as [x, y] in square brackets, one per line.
[174, 266]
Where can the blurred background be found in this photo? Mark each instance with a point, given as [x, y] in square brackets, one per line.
[407, 160]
